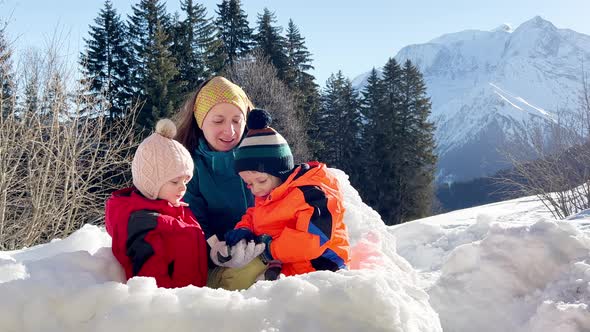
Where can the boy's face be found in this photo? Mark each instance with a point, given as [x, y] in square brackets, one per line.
[174, 190]
[261, 184]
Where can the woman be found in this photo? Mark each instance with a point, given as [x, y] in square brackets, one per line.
[211, 124]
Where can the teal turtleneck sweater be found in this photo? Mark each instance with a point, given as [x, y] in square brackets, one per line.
[216, 194]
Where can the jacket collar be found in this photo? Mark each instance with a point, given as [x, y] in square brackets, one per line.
[125, 201]
[220, 162]
[133, 197]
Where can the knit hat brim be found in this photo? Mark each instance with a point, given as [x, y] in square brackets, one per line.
[263, 149]
[217, 91]
[276, 166]
[159, 159]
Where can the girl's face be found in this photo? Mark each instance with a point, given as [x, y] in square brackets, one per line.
[223, 126]
[174, 190]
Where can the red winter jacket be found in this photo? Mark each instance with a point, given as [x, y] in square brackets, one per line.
[152, 238]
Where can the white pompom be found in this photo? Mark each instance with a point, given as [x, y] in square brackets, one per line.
[166, 128]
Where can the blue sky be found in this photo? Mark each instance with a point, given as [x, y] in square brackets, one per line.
[352, 36]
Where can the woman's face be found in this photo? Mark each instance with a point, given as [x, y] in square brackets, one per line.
[223, 126]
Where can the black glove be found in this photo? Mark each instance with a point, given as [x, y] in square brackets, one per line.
[235, 235]
[273, 271]
[266, 256]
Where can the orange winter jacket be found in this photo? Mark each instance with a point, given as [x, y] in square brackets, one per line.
[304, 217]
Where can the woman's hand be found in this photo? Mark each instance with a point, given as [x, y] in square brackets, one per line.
[235, 256]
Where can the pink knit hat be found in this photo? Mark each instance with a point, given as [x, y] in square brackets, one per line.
[159, 159]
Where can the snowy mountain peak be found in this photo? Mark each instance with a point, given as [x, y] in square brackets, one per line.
[537, 23]
[503, 27]
[536, 38]
[486, 87]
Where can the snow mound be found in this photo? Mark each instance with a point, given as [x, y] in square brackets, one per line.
[513, 275]
[75, 284]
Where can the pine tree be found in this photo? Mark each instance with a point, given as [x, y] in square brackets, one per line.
[298, 57]
[338, 122]
[194, 42]
[351, 132]
[160, 87]
[270, 42]
[234, 33]
[308, 101]
[153, 63]
[326, 120]
[147, 14]
[31, 97]
[216, 58]
[299, 80]
[105, 61]
[386, 135]
[372, 102]
[418, 138]
[7, 79]
[403, 143]
[54, 98]
[31, 77]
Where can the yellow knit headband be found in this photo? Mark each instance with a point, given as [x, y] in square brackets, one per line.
[220, 90]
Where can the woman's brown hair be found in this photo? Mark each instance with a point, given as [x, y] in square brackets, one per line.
[188, 132]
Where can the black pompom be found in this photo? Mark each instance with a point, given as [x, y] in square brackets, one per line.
[258, 119]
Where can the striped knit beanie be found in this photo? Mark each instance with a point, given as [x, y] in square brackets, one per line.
[263, 149]
[219, 90]
[159, 159]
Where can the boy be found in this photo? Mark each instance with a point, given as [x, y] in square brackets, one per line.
[298, 211]
[153, 232]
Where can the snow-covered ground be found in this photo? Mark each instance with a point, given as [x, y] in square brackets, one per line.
[501, 267]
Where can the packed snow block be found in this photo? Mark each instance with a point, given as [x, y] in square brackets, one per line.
[522, 278]
[75, 284]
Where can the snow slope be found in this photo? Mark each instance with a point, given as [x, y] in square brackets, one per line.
[501, 267]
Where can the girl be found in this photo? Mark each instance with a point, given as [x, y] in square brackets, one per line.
[153, 233]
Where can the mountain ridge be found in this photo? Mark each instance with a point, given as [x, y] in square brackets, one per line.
[487, 87]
